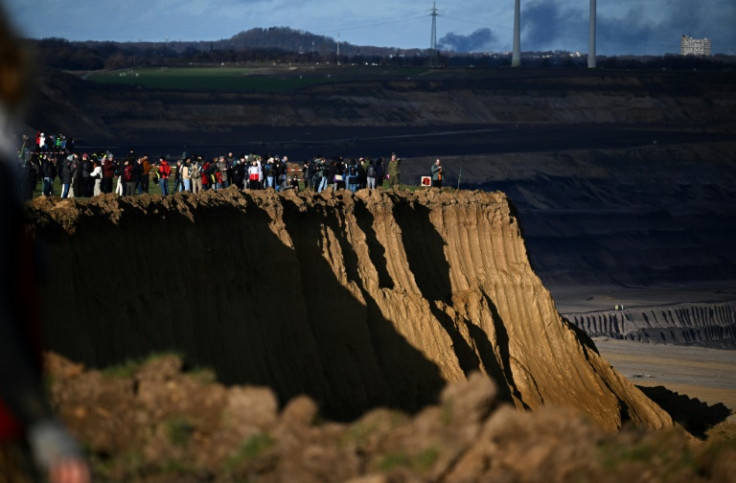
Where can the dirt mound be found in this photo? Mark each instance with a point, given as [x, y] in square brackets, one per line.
[373, 300]
[154, 422]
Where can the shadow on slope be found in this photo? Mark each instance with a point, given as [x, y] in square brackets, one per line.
[427, 261]
[223, 289]
[363, 350]
[694, 415]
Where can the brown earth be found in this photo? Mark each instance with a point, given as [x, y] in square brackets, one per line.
[377, 299]
[155, 422]
[415, 316]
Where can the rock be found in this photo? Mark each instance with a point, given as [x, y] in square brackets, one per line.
[471, 401]
[300, 411]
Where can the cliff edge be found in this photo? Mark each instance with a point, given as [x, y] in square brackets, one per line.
[359, 301]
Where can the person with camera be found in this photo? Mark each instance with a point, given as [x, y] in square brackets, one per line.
[437, 173]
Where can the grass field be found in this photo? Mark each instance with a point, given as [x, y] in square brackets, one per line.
[255, 79]
[203, 78]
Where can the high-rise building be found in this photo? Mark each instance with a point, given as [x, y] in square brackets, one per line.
[691, 46]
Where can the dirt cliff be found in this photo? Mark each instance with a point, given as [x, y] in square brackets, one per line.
[376, 299]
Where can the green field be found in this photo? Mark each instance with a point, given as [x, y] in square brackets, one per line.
[254, 79]
[204, 78]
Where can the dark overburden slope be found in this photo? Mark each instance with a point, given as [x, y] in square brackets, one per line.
[649, 228]
[375, 100]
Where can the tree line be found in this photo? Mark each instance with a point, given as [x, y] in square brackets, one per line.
[285, 45]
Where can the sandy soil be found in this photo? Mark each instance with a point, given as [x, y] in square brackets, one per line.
[706, 374]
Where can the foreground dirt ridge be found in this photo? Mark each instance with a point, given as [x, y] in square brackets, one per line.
[706, 324]
[376, 299]
[156, 421]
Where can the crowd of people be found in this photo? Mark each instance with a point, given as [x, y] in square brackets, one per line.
[59, 143]
[88, 175]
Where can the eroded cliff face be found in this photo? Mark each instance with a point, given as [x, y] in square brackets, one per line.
[360, 301]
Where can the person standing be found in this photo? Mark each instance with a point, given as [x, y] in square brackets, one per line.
[165, 171]
[283, 169]
[77, 179]
[223, 166]
[87, 182]
[195, 172]
[205, 174]
[239, 172]
[65, 175]
[254, 176]
[48, 172]
[268, 173]
[186, 176]
[119, 189]
[178, 180]
[145, 175]
[437, 172]
[128, 176]
[137, 175]
[394, 171]
[96, 177]
[351, 174]
[324, 175]
[336, 173]
[108, 173]
[370, 175]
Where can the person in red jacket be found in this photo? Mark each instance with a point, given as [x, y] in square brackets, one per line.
[164, 170]
[31, 438]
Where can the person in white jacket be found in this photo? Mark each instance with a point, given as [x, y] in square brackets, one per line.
[254, 176]
[96, 175]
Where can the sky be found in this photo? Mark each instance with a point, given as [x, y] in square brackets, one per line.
[636, 27]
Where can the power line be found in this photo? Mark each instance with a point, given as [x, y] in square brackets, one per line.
[433, 40]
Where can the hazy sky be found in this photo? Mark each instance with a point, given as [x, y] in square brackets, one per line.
[624, 26]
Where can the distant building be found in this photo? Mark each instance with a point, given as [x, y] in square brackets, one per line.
[691, 46]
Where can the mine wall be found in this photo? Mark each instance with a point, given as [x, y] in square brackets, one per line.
[543, 96]
[377, 299]
[641, 218]
[700, 324]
